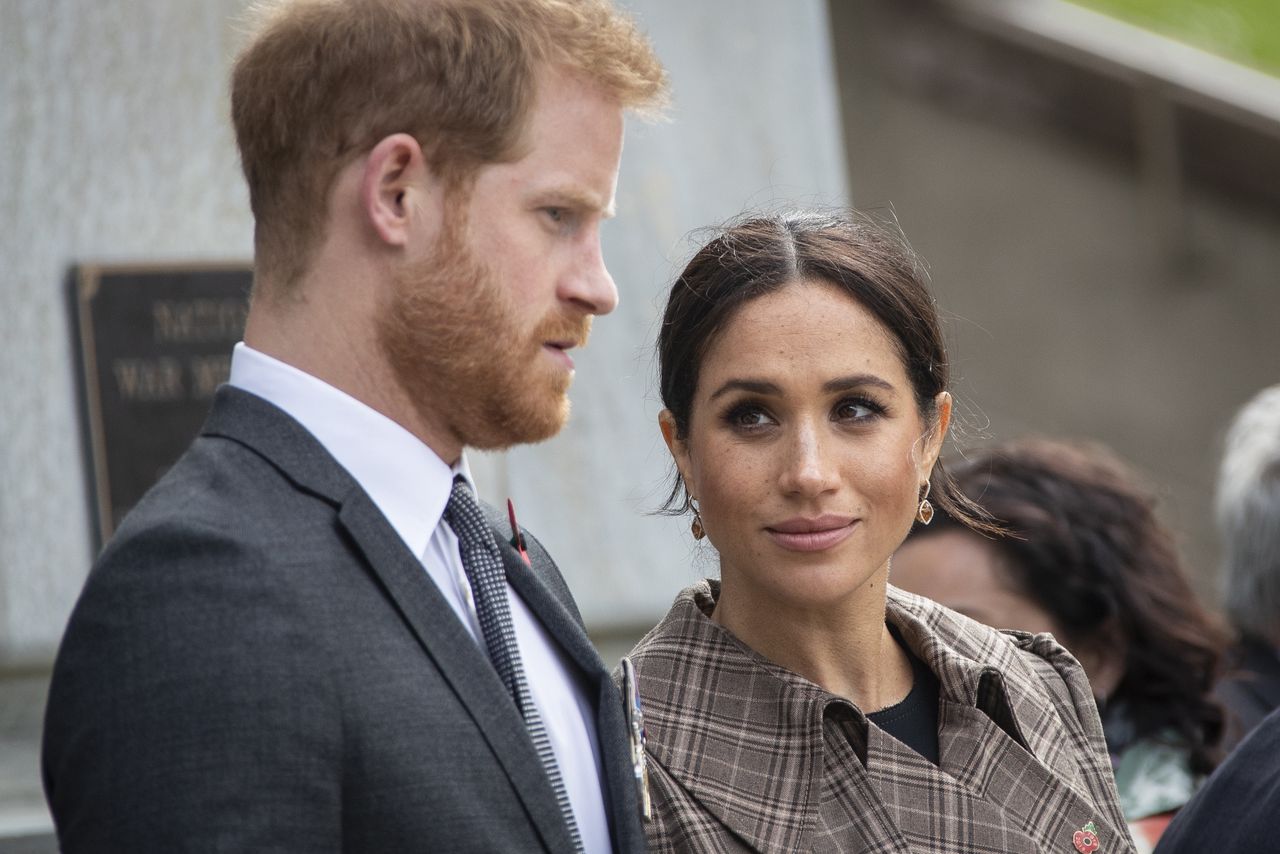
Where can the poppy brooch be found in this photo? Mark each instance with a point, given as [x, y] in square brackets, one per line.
[1086, 839]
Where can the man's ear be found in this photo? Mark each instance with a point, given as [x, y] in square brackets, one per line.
[396, 189]
[678, 447]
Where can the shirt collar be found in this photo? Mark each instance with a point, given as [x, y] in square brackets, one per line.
[407, 481]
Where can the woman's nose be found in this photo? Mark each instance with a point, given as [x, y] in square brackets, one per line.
[809, 468]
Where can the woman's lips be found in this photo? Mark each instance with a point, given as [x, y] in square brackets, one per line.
[811, 535]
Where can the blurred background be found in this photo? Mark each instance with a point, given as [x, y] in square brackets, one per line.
[1095, 189]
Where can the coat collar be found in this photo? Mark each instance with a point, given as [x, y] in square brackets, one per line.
[715, 707]
[280, 440]
[989, 670]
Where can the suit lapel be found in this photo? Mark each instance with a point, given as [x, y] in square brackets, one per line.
[566, 629]
[279, 439]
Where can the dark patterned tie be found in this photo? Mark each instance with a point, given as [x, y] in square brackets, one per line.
[483, 564]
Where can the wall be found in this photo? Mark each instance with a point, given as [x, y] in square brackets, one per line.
[1073, 311]
[118, 148]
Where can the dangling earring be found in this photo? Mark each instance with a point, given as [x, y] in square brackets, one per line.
[924, 513]
[695, 527]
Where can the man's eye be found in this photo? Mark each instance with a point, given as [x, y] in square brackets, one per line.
[555, 214]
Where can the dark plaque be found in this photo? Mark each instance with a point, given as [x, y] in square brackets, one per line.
[155, 344]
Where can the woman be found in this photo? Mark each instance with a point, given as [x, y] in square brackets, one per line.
[1087, 560]
[798, 703]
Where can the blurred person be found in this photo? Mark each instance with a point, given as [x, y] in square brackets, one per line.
[1086, 560]
[799, 703]
[1248, 515]
[1238, 807]
[310, 636]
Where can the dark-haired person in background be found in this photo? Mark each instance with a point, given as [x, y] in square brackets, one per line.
[1248, 514]
[799, 703]
[1086, 559]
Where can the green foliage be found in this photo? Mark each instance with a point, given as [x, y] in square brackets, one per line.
[1246, 31]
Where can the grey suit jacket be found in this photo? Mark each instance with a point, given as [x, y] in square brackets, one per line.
[258, 663]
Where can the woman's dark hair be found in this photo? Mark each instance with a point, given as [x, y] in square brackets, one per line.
[761, 254]
[1083, 542]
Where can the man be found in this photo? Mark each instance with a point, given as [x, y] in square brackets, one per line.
[1238, 807]
[307, 637]
[1248, 515]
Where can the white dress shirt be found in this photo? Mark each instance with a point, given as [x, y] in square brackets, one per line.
[411, 486]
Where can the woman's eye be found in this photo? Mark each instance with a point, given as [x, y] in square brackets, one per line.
[856, 410]
[747, 417]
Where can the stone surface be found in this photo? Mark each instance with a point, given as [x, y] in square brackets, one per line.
[114, 116]
[22, 808]
[754, 123]
[118, 148]
[1067, 316]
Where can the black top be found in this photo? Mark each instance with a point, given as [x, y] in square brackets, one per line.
[914, 721]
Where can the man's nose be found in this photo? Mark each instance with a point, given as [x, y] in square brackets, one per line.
[589, 284]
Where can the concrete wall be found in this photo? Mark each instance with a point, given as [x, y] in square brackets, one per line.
[117, 148]
[755, 119]
[1072, 313]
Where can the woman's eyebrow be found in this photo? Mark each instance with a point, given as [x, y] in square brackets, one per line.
[751, 385]
[756, 386]
[856, 380]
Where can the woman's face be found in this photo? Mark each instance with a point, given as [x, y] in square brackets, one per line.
[806, 450]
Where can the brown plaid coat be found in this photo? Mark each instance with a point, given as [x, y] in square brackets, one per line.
[744, 755]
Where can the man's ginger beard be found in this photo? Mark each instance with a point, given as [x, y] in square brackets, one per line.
[464, 356]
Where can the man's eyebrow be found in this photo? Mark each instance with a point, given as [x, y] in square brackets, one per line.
[573, 197]
[751, 385]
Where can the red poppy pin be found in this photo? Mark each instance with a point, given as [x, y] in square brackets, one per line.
[517, 539]
[1086, 839]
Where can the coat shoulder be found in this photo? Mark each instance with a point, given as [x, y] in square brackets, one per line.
[1037, 657]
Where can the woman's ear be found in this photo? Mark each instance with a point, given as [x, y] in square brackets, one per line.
[678, 447]
[936, 434]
